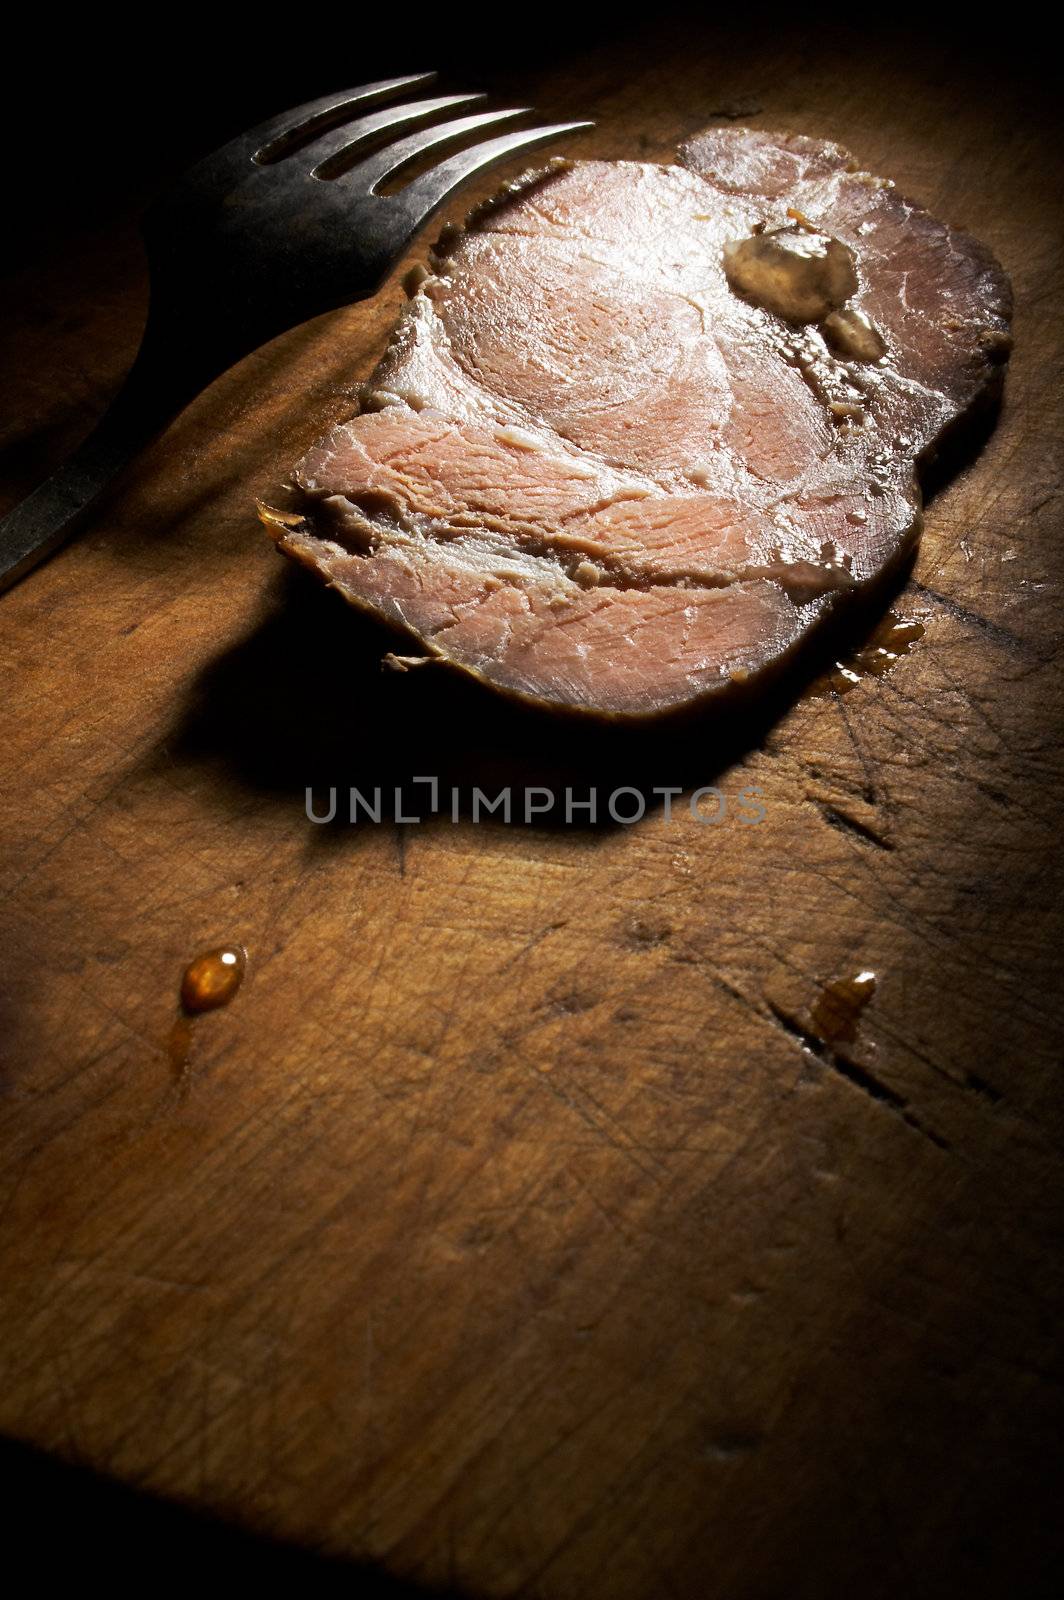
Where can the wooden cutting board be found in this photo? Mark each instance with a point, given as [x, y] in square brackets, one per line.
[531, 1222]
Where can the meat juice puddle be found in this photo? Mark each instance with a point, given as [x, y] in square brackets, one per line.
[209, 981]
[892, 639]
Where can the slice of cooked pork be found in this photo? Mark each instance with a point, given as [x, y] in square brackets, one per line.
[642, 427]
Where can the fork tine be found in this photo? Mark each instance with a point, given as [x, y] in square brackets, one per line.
[383, 163]
[332, 149]
[432, 188]
[273, 139]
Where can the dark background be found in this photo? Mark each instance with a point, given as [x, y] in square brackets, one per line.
[99, 111]
[97, 108]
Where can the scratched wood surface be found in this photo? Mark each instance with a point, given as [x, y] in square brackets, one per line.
[523, 1226]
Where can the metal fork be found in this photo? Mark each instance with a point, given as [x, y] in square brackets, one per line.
[278, 226]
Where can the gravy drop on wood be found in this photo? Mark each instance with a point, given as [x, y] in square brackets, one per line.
[213, 979]
[835, 1015]
[892, 640]
[210, 981]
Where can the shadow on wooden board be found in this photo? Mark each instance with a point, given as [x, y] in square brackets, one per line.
[66, 1523]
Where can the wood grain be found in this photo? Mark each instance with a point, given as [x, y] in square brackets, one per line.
[512, 1229]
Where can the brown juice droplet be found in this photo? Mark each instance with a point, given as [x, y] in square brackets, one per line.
[835, 1015]
[210, 981]
[213, 979]
[892, 640]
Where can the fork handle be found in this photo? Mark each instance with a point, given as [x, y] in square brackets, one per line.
[163, 379]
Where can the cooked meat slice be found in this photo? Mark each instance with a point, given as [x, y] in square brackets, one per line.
[642, 427]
